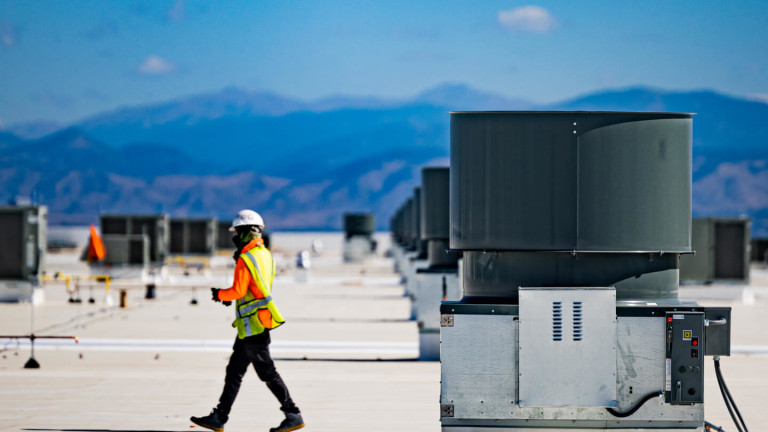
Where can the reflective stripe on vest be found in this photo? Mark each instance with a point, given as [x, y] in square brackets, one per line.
[256, 266]
[249, 320]
[250, 308]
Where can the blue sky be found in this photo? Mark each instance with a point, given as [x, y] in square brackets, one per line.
[65, 60]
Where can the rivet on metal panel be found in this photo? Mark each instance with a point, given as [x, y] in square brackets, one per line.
[446, 320]
[446, 410]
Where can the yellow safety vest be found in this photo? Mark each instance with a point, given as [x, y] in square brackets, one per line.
[256, 313]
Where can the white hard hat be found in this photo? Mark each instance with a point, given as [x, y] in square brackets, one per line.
[246, 217]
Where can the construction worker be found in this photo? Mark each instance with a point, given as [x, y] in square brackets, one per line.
[256, 315]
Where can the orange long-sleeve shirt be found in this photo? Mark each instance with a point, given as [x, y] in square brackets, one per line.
[243, 280]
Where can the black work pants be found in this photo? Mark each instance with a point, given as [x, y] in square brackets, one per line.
[253, 350]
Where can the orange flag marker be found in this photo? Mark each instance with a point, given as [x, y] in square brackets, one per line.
[96, 250]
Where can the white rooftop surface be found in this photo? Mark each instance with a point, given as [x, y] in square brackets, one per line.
[347, 353]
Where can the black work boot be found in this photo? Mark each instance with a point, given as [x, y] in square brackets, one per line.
[211, 421]
[291, 422]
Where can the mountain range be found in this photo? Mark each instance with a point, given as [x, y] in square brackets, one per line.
[302, 164]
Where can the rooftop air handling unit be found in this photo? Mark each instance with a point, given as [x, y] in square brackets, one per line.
[155, 227]
[415, 257]
[126, 249]
[23, 240]
[722, 248]
[759, 250]
[223, 236]
[572, 225]
[439, 280]
[358, 236]
[193, 236]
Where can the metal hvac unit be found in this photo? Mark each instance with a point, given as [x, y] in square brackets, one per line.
[156, 227]
[23, 241]
[397, 248]
[571, 226]
[722, 251]
[439, 280]
[127, 249]
[223, 236]
[193, 236]
[759, 252]
[416, 255]
[358, 236]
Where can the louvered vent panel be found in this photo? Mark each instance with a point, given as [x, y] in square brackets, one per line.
[577, 322]
[557, 321]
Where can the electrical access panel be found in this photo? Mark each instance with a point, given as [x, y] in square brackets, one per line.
[717, 331]
[684, 383]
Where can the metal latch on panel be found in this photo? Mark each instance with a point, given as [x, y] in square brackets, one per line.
[446, 320]
[446, 410]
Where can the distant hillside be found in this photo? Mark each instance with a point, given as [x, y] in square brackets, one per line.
[8, 139]
[304, 163]
[271, 134]
[32, 130]
[79, 177]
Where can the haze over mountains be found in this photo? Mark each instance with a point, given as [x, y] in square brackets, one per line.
[302, 164]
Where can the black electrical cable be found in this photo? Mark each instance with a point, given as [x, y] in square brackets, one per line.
[728, 398]
[728, 403]
[634, 409]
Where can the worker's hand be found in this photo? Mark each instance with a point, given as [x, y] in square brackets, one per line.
[226, 303]
[215, 294]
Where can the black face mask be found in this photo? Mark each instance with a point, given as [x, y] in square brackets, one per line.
[242, 238]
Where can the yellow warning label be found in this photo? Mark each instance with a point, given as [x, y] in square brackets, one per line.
[686, 334]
